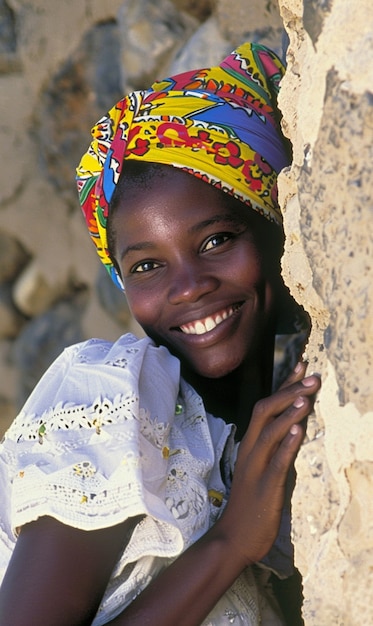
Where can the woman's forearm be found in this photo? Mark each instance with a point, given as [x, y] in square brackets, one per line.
[186, 591]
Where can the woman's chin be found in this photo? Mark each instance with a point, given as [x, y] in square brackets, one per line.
[210, 368]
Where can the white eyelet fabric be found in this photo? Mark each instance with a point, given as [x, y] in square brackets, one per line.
[110, 432]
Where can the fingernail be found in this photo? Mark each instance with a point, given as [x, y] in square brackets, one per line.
[309, 381]
[294, 429]
[298, 402]
[298, 367]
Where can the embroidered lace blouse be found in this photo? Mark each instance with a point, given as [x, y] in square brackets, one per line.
[111, 431]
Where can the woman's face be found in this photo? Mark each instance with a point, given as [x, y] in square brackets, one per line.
[193, 272]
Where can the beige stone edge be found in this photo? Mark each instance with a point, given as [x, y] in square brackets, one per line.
[329, 557]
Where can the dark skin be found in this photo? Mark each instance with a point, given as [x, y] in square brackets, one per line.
[200, 272]
[235, 392]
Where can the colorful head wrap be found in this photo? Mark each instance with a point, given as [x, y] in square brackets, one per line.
[219, 124]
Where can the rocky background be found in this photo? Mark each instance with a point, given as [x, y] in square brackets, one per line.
[63, 64]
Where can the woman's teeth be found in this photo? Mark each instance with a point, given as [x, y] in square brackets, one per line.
[200, 327]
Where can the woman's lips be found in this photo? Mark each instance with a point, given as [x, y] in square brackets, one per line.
[202, 326]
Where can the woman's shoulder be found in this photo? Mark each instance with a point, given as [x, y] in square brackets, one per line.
[92, 377]
[96, 350]
[126, 351]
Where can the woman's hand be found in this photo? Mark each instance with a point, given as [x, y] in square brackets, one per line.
[249, 524]
[251, 519]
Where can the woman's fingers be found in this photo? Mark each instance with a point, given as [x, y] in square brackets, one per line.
[296, 374]
[280, 406]
[274, 405]
[284, 456]
[279, 440]
[253, 513]
[266, 454]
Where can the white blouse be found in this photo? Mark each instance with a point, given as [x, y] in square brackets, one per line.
[110, 432]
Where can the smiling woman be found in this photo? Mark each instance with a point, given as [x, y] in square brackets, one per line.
[191, 260]
[148, 480]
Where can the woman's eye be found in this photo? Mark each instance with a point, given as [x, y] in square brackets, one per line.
[144, 266]
[215, 241]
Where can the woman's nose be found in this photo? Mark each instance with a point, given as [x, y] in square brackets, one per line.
[189, 283]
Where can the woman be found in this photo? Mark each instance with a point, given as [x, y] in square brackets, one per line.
[149, 476]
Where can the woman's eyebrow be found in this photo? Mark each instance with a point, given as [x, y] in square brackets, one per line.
[136, 247]
[217, 219]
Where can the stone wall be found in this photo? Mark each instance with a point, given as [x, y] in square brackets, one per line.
[62, 64]
[327, 100]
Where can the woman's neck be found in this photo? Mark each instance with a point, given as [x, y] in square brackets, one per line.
[233, 397]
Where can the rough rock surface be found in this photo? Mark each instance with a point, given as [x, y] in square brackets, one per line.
[62, 64]
[327, 101]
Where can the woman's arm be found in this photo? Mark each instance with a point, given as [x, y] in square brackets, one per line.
[57, 575]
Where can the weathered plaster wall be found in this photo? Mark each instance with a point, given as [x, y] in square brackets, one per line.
[327, 100]
[61, 65]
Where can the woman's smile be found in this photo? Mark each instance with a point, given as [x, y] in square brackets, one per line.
[203, 326]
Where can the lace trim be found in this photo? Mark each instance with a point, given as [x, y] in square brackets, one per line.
[96, 417]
